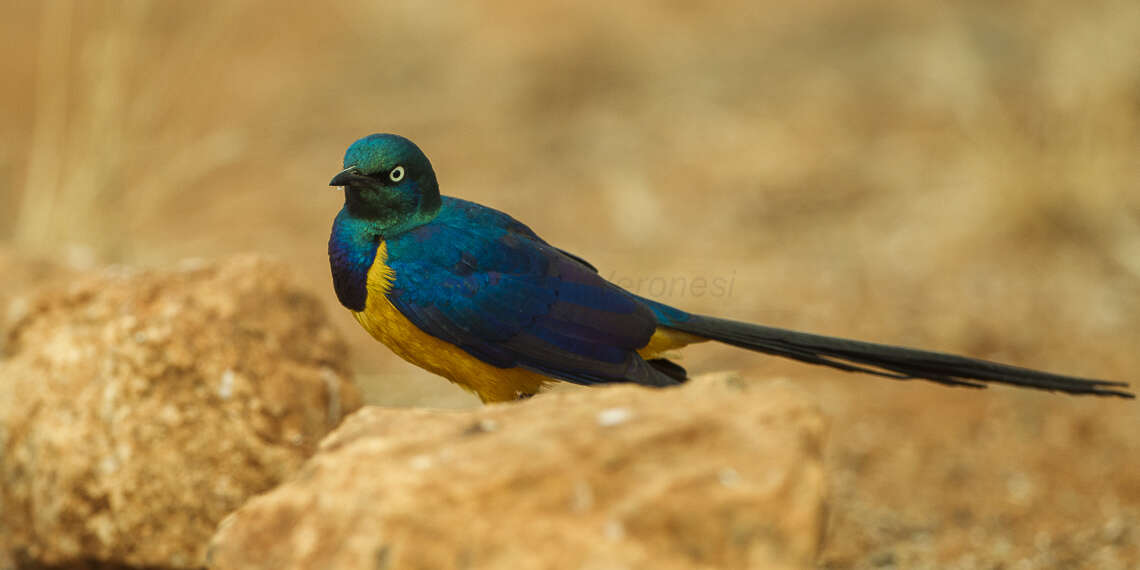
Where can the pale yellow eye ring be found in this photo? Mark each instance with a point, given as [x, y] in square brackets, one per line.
[397, 174]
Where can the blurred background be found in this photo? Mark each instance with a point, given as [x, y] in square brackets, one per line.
[962, 176]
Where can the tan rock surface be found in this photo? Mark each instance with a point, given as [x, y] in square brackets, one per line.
[18, 274]
[139, 408]
[711, 475]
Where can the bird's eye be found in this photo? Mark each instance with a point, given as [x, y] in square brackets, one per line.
[397, 174]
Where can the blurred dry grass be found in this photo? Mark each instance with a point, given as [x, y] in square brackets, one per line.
[962, 176]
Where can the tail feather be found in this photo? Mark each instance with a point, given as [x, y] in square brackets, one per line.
[885, 360]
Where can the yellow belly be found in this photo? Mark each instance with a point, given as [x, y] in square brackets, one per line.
[492, 384]
[388, 325]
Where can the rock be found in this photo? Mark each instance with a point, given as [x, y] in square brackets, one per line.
[710, 475]
[21, 273]
[140, 408]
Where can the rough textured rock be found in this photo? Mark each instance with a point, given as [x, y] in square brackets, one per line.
[710, 475]
[139, 408]
[19, 274]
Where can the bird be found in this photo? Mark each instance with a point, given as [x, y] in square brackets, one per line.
[475, 296]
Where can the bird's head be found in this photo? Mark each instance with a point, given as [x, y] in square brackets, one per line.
[388, 180]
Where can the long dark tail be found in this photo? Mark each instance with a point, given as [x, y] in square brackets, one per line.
[884, 360]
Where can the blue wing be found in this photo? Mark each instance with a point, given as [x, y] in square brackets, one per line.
[478, 279]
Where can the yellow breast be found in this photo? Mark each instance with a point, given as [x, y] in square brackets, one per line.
[492, 384]
[388, 325]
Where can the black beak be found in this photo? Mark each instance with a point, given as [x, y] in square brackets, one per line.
[347, 177]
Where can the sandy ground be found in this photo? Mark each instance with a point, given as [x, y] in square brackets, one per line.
[955, 176]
